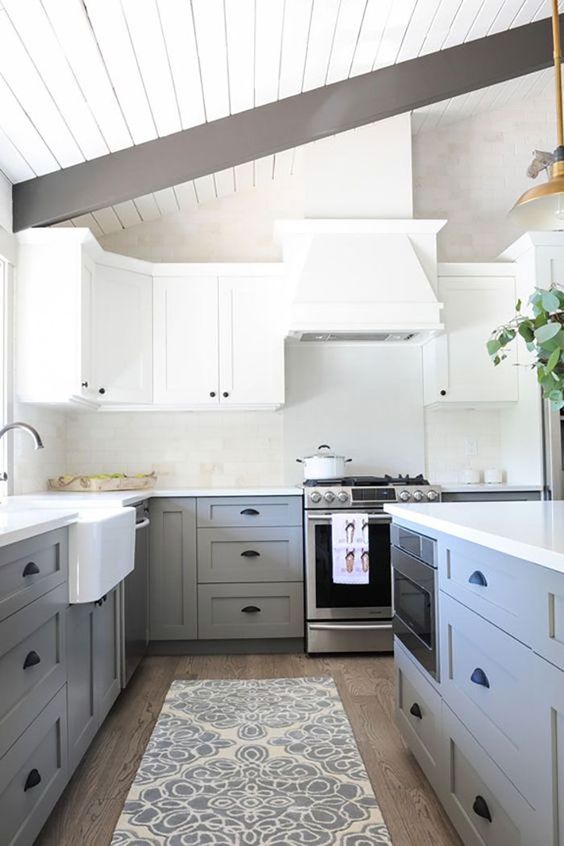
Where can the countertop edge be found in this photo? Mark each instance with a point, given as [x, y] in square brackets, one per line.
[541, 556]
[38, 525]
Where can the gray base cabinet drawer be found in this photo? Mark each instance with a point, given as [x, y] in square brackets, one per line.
[494, 585]
[250, 610]
[250, 555]
[483, 804]
[32, 662]
[486, 678]
[33, 774]
[249, 511]
[31, 568]
[418, 714]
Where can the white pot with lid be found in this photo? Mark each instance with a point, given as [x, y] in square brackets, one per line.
[324, 464]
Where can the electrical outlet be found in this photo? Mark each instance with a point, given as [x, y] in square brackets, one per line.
[471, 447]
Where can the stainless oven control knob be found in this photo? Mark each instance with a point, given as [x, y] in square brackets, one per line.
[315, 496]
[343, 496]
[329, 496]
[404, 496]
[432, 496]
[418, 496]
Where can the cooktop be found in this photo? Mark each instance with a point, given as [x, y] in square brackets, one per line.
[366, 481]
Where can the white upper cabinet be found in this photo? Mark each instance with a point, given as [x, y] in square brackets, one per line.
[457, 368]
[55, 276]
[251, 346]
[121, 336]
[186, 348]
[218, 342]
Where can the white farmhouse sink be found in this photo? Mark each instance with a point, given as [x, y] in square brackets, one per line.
[101, 552]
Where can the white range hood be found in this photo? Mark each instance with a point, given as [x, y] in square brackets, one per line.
[368, 280]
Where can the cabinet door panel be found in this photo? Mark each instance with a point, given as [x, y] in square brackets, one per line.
[172, 570]
[122, 336]
[548, 690]
[82, 724]
[473, 307]
[251, 364]
[186, 340]
[107, 639]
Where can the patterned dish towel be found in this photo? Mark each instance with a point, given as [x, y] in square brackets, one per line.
[351, 556]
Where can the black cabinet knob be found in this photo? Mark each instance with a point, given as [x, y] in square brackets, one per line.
[31, 659]
[101, 390]
[225, 394]
[478, 578]
[250, 512]
[250, 553]
[84, 384]
[212, 393]
[31, 569]
[33, 779]
[250, 609]
[480, 808]
[443, 393]
[415, 711]
[479, 677]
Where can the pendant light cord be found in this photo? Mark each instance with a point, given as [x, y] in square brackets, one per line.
[557, 72]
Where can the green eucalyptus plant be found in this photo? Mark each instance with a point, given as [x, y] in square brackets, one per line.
[543, 333]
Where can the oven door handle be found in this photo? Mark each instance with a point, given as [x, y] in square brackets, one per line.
[347, 627]
[372, 518]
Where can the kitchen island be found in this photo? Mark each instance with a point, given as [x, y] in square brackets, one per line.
[488, 731]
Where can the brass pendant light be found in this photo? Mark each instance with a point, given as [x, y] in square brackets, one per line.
[542, 207]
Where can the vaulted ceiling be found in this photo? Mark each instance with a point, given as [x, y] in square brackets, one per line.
[83, 78]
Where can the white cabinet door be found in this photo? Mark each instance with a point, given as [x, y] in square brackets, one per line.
[251, 364]
[457, 367]
[186, 342]
[121, 330]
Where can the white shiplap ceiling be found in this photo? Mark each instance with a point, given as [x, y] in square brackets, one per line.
[82, 78]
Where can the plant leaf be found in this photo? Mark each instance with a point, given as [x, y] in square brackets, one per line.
[550, 301]
[546, 331]
[518, 305]
[493, 346]
[527, 331]
[553, 360]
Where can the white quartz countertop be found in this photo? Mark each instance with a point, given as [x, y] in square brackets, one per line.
[120, 498]
[18, 525]
[533, 531]
[483, 488]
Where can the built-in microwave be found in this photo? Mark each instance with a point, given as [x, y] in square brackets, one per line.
[415, 596]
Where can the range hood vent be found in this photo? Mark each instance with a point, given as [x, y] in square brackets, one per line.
[381, 337]
[362, 280]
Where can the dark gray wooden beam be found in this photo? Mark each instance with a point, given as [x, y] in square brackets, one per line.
[281, 125]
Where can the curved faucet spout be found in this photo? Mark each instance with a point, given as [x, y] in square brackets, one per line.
[25, 427]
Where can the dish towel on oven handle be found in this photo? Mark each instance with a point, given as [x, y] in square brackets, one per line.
[351, 561]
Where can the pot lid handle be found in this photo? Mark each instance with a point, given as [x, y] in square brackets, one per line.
[323, 446]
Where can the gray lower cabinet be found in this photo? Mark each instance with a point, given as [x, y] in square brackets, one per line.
[173, 603]
[33, 774]
[251, 610]
[93, 650]
[250, 555]
[31, 568]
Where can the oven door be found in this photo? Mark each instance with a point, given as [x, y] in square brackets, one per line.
[415, 608]
[329, 601]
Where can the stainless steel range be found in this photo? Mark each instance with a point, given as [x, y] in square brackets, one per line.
[346, 617]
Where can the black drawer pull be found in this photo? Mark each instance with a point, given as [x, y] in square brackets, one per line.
[250, 609]
[250, 553]
[31, 659]
[32, 780]
[478, 578]
[31, 569]
[479, 677]
[480, 807]
[415, 711]
[250, 512]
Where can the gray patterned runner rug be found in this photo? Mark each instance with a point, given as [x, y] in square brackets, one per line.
[252, 763]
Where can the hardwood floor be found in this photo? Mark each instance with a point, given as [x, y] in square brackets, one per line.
[88, 810]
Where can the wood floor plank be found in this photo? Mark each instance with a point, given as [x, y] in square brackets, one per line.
[89, 808]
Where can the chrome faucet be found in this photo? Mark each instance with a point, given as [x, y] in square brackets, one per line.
[25, 427]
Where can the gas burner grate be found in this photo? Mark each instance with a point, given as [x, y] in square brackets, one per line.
[366, 481]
